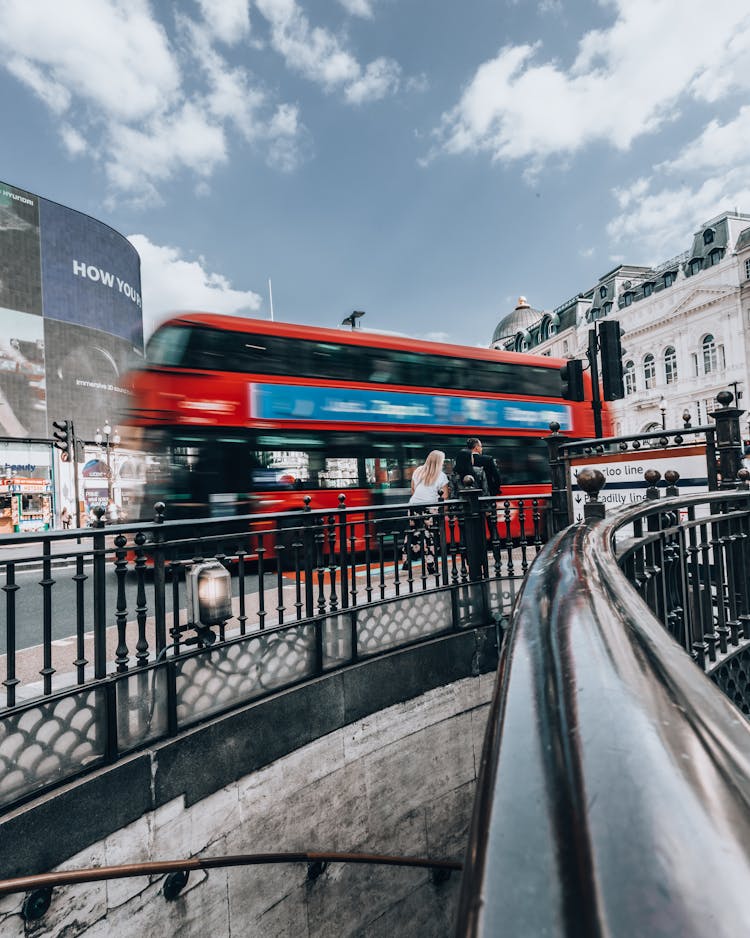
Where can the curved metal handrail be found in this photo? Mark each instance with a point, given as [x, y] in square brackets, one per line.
[614, 791]
[157, 867]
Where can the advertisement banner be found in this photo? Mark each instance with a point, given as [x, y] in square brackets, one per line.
[91, 274]
[84, 375]
[22, 376]
[279, 402]
[20, 264]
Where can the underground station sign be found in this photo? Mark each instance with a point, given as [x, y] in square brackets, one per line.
[624, 474]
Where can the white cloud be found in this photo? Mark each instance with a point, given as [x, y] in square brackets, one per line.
[73, 142]
[111, 53]
[228, 20]
[145, 108]
[381, 77]
[170, 282]
[320, 56]
[714, 176]
[586, 252]
[626, 80]
[361, 8]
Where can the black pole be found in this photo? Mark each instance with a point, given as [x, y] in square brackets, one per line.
[76, 484]
[596, 400]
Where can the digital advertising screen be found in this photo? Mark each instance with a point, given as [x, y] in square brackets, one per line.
[91, 274]
[20, 263]
[71, 321]
[85, 368]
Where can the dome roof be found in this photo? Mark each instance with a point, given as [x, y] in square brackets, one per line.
[519, 320]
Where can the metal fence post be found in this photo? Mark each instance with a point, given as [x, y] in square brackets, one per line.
[100, 594]
[559, 506]
[160, 580]
[728, 439]
[476, 548]
[308, 557]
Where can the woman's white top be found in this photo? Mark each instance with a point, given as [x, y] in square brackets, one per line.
[428, 494]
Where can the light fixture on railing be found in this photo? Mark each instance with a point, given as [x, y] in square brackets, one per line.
[209, 599]
[686, 418]
[663, 410]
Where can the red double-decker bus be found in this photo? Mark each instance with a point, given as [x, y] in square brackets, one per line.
[244, 415]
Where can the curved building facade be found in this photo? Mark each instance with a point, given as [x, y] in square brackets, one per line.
[70, 317]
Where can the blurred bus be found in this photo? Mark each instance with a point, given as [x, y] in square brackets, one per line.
[243, 415]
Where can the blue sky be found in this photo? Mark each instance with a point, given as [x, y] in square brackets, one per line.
[423, 160]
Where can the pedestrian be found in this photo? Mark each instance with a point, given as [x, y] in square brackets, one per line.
[65, 518]
[428, 483]
[471, 461]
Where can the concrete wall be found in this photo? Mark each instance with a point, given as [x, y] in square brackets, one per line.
[395, 780]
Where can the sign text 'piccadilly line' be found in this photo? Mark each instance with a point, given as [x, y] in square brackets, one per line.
[97, 275]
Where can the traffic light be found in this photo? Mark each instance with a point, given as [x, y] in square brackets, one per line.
[613, 385]
[62, 436]
[571, 377]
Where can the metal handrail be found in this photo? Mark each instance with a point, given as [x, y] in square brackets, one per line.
[605, 746]
[157, 867]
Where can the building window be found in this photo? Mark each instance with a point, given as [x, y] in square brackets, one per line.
[709, 354]
[607, 309]
[629, 375]
[565, 346]
[694, 363]
[649, 371]
[648, 289]
[747, 269]
[669, 278]
[628, 299]
[602, 292]
[670, 365]
[695, 265]
[714, 257]
[708, 236]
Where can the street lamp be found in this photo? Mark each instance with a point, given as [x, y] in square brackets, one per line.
[108, 440]
[351, 319]
[663, 409]
[686, 418]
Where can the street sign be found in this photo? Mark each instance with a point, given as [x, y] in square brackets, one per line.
[624, 474]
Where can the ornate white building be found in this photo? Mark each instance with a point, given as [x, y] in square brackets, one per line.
[686, 328]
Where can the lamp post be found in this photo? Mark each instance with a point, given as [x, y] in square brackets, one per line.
[108, 440]
[663, 409]
[686, 419]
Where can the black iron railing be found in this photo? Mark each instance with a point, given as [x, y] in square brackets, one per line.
[614, 791]
[100, 657]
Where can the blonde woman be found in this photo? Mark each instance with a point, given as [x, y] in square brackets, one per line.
[428, 482]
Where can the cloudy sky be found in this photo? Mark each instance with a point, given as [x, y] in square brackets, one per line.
[426, 161]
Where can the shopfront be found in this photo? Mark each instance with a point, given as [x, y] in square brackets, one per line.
[26, 502]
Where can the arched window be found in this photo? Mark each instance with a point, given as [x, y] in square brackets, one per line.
[602, 292]
[649, 371]
[670, 365]
[708, 236]
[695, 265]
[607, 309]
[709, 354]
[629, 375]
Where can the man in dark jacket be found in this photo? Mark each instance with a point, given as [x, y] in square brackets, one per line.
[471, 458]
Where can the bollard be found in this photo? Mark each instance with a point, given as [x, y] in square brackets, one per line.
[728, 439]
[672, 477]
[592, 481]
[652, 477]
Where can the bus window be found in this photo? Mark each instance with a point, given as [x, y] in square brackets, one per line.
[167, 345]
[339, 473]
